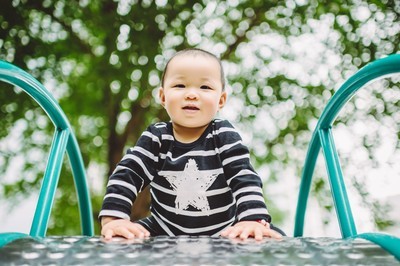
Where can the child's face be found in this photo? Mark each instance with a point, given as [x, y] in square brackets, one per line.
[192, 92]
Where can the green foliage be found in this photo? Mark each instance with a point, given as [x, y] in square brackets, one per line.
[102, 61]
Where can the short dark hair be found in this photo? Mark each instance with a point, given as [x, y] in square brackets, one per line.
[195, 51]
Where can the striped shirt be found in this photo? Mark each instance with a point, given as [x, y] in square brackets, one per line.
[198, 188]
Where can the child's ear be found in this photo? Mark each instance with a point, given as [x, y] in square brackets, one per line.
[222, 99]
[161, 96]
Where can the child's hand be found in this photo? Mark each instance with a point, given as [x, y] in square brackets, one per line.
[246, 229]
[120, 227]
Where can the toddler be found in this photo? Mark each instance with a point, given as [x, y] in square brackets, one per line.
[199, 172]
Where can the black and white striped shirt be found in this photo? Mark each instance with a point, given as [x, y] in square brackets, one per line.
[198, 188]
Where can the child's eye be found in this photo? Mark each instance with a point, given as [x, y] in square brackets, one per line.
[205, 87]
[179, 86]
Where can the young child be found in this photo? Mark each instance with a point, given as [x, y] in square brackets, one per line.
[200, 176]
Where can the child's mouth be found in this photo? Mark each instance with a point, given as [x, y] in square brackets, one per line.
[194, 108]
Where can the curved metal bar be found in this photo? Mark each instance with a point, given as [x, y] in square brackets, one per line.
[388, 242]
[49, 183]
[78, 170]
[305, 185]
[6, 238]
[373, 71]
[16, 76]
[64, 140]
[338, 188]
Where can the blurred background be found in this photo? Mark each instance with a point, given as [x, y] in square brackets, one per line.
[283, 60]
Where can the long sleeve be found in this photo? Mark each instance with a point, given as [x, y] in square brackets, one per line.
[244, 182]
[134, 172]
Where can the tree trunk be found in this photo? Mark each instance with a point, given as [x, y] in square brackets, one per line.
[141, 207]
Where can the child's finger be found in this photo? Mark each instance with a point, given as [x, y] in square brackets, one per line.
[142, 229]
[272, 233]
[258, 234]
[124, 232]
[235, 232]
[227, 231]
[108, 234]
[136, 231]
[246, 232]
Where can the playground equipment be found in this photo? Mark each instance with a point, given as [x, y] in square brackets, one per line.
[64, 141]
[383, 249]
[322, 138]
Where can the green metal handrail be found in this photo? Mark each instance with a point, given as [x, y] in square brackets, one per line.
[64, 141]
[322, 138]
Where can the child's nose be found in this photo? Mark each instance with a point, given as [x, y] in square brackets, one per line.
[191, 94]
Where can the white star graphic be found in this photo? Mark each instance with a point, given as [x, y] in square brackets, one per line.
[190, 186]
